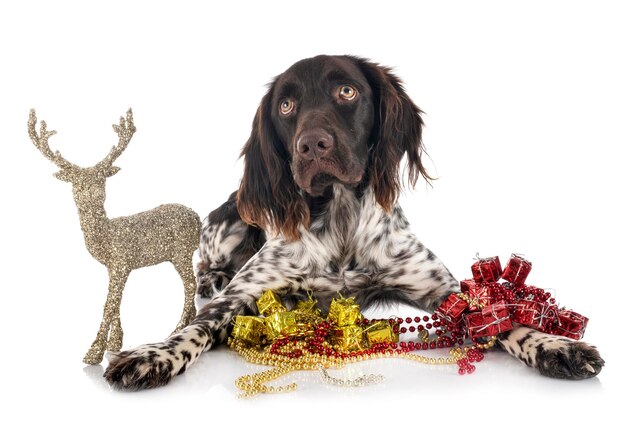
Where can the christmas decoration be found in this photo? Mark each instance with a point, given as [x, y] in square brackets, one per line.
[381, 331]
[477, 295]
[249, 328]
[167, 233]
[281, 324]
[533, 314]
[452, 308]
[512, 300]
[308, 306]
[491, 320]
[487, 270]
[570, 324]
[349, 338]
[301, 339]
[344, 311]
[517, 270]
[269, 303]
[360, 381]
[304, 340]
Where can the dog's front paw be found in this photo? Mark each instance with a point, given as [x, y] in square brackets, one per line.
[211, 282]
[148, 366]
[567, 359]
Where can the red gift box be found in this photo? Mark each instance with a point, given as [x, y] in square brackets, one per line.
[534, 314]
[570, 324]
[452, 308]
[517, 270]
[490, 321]
[468, 284]
[487, 269]
[479, 296]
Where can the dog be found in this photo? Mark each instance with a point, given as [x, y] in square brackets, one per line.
[316, 210]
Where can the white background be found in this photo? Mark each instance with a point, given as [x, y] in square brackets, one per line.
[525, 124]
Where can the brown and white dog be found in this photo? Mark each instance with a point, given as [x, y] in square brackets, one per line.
[317, 211]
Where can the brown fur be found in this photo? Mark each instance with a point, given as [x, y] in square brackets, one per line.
[269, 198]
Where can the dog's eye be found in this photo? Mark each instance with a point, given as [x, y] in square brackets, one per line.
[347, 92]
[287, 106]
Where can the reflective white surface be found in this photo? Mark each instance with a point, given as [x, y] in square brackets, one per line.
[525, 128]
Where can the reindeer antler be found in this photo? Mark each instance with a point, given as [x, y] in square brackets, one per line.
[41, 141]
[124, 131]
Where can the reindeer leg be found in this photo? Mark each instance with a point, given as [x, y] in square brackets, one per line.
[185, 270]
[116, 335]
[110, 319]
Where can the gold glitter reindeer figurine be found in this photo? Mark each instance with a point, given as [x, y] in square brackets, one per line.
[167, 233]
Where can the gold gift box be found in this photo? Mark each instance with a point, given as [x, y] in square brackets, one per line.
[308, 307]
[249, 328]
[269, 303]
[344, 311]
[381, 331]
[281, 324]
[349, 338]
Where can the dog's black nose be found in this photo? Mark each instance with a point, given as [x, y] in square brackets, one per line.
[315, 144]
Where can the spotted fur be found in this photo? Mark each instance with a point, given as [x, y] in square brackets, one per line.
[360, 251]
[332, 220]
[339, 253]
[554, 356]
[226, 244]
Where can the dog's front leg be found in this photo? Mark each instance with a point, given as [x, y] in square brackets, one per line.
[153, 365]
[554, 356]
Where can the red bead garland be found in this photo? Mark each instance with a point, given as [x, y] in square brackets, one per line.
[447, 336]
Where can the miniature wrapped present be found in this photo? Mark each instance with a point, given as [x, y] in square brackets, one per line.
[344, 311]
[269, 303]
[571, 324]
[249, 328]
[487, 269]
[517, 270]
[381, 331]
[452, 308]
[490, 321]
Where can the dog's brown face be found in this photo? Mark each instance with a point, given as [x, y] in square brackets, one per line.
[327, 120]
[323, 113]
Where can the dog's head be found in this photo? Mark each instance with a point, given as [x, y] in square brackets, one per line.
[327, 120]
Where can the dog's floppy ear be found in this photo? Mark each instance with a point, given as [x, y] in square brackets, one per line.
[267, 196]
[397, 130]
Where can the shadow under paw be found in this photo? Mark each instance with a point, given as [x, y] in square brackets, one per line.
[575, 360]
[139, 369]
